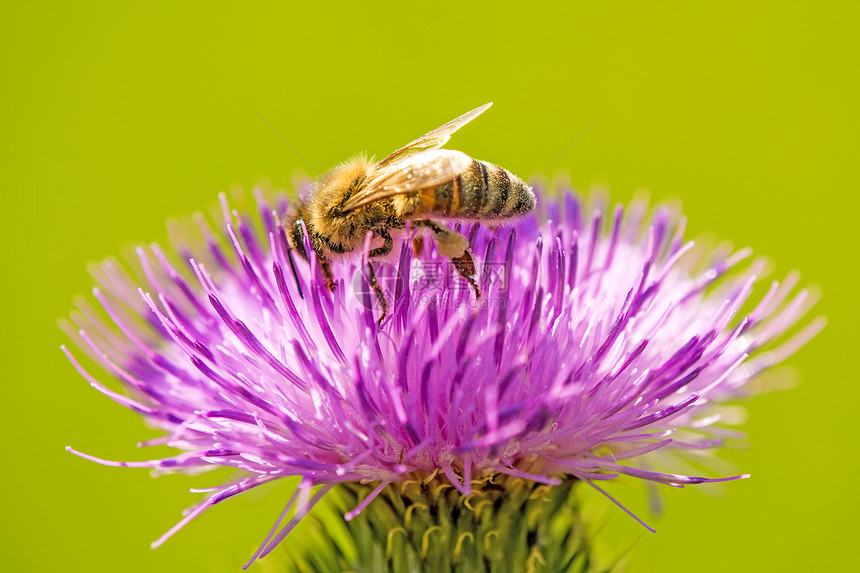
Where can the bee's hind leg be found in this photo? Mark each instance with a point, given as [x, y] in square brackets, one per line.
[454, 246]
[465, 265]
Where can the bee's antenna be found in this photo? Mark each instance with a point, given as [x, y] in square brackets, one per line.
[263, 119]
[575, 139]
[295, 272]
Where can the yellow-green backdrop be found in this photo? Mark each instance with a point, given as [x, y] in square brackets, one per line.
[118, 116]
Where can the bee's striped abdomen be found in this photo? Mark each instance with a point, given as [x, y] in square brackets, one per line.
[482, 191]
[498, 193]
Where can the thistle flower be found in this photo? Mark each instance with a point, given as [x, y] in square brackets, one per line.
[602, 344]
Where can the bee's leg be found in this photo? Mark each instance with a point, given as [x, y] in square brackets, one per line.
[322, 260]
[386, 247]
[466, 267]
[316, 242]
[377, 290]
[325, 267]
[418, 245]
[454, 246]
[448, 243]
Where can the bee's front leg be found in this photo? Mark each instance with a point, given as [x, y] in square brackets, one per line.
[322, 261]
[325, 268]
[316, 240]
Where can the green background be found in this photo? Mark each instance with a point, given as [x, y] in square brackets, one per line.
[115, 118]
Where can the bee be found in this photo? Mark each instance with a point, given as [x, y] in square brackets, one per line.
[420, 183]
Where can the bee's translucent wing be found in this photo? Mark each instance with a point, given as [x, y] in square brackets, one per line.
[436, 138]
[420, 171]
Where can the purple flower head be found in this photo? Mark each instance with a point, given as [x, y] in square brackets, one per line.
[601, 342]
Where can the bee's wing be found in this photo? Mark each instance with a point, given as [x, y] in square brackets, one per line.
[416, 172]
[436, 138]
